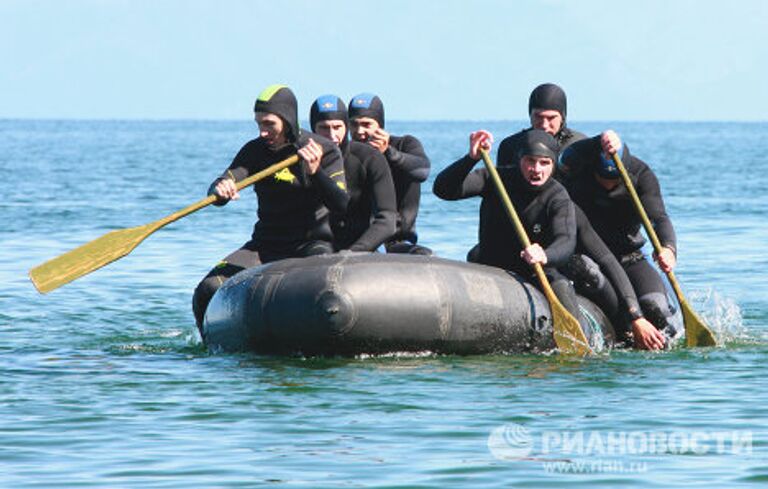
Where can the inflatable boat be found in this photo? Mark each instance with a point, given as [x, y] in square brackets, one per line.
[357, 303]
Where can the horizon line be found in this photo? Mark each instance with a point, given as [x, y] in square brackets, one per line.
[494, 120]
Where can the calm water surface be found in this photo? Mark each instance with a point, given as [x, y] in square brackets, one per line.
[104, 382]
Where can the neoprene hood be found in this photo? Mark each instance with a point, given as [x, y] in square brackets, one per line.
[280, 100]
[548, 96]
[587, 154]
[538, 142]
[326, 108]
[367, 105]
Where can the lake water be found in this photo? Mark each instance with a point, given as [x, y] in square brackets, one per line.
[104, 382]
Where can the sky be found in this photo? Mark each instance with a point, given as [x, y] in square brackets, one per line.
[663, 60]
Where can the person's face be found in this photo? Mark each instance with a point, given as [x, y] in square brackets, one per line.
[271, 128]
[550, 121]
[536, 169]
[362, 128]
[333, 129]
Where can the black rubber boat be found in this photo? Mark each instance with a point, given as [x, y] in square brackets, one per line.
[356, 303]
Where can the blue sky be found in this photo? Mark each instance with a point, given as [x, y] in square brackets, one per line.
[169, 59]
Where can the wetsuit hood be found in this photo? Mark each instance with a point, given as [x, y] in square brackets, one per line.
[328, 108]
[280, 100]
[587, 154]
[367, 105]
[548, 96]
[538, 142]
[606, 167]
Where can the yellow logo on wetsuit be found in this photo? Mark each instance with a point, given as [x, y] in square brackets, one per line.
[285, 175]
[341, 184]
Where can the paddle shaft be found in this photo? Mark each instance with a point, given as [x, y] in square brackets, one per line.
[522, 234]
[118, 243]
[246, 182]
[567, 332]
[696, 331]
[646, 221]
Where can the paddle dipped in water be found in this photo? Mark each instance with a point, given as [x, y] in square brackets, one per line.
[697, 333]
[569, 337]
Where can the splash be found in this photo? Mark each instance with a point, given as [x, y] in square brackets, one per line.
[722, 314]
[398, 355]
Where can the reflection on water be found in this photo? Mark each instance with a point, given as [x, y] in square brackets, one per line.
[105, 383]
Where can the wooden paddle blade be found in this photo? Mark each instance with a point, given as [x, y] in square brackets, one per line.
[569, 337]
[88, 257]
[697, 333]
[116, 244]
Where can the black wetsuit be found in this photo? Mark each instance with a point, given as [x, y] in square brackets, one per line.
[615, 219]
[372, 210]
[410, 167]
[546, 212]
[293, 210]
[597, 275]
[509, 155]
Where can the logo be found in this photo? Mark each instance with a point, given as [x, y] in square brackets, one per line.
[510, 442]
[536, 228]
[362, 101]
[592, 451]
[285, 175]
[327, 103]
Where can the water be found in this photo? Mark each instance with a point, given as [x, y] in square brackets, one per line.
[104, 382]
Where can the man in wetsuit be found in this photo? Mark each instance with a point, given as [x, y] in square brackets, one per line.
[293, 205]
[542, 203]
[372, 210]
[595, 186]
[547, 109]
[407, 161]
[597, 275]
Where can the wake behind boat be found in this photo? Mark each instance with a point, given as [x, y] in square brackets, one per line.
[354, 303]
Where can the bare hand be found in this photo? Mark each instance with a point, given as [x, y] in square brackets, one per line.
[226, 189]
[534, 254]
[379, 140]
[610, 142]
[478, 140]
[666, 260]
[311, 153]
[646, 336]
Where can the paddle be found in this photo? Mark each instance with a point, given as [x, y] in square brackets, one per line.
[569, 337]
[116, 244]
[696, 332]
